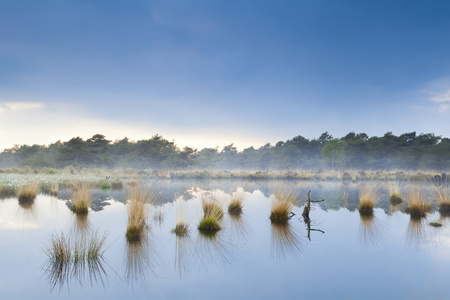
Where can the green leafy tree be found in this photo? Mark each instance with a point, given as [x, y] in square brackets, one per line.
[333, 152]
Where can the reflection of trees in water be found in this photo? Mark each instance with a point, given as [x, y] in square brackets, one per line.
[416, 233]
[63, 272]
[284, 241]
[141, 260]
[370, 230]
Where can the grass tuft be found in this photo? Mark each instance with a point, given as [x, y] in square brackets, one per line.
[209, 225]
[27, 194]
[369, 196]
[442, 196]
[211, 206]
[181, 229]
[236, 204]
[283, 203]
[81, 198]
[417, 205]
[395, 196]
[138, 212]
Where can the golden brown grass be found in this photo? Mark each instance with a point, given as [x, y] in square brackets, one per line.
[395, 196]
[181, 226]
[369, 195]
[27, 193]
[417, 203]
[236, 203]
[81, 198]
[283, 203]
[211, 206]
[138, 212]
[442, 195]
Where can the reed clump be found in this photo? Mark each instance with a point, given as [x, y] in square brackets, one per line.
[209, 225]
[75, 249]
[116, 185]
[212, 214]
[236, 203]
[181, 226]
[369, 196]
[395, 196]
[283, 203]
[442, 195]
[54, 189]
[417, 204]
[81, 198]
[138, 212]
[28, 193]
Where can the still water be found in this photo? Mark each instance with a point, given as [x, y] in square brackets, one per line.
[342, 256]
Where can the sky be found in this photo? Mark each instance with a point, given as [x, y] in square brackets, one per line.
[208, 73]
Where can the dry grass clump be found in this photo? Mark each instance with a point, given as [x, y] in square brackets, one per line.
[283, 203]
[27, 193]
[138, 212]
[442, 195]
[181, 227]
[54, 189]
[116, 185]
[369, 196]
[236, 204]
[81, 198]
[211, 206]
[212, 214]
[395, 196]
[417, 204]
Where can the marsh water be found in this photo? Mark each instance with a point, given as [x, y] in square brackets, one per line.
[338, 255]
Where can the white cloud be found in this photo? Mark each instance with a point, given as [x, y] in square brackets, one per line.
[17, 106]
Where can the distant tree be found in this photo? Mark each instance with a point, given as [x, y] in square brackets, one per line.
[333, 152]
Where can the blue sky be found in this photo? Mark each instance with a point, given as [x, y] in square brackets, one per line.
[211, 73]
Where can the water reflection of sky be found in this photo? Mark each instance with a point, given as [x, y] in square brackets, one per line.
[385, 257]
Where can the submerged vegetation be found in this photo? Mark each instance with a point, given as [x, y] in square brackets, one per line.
[369, 195]
[283, 203]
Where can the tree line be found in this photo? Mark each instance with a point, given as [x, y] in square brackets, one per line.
[408, 151]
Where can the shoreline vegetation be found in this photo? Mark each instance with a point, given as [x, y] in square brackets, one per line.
[111, 177]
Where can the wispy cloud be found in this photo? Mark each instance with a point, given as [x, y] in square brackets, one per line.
[442, 99]
[18, 106]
